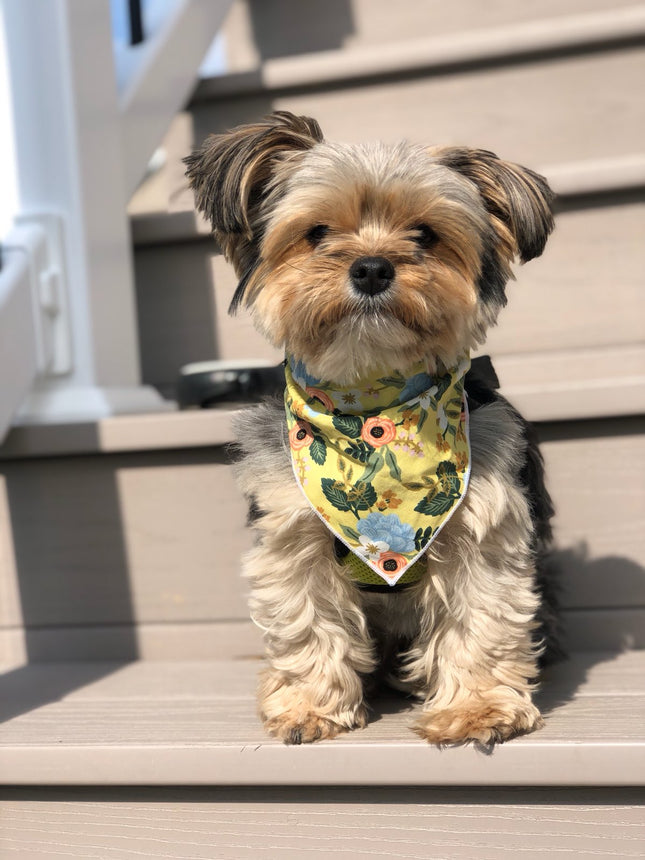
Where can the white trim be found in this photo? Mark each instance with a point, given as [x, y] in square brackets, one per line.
[73, 192]
[49, 404]
[18, 339]
[9, 195]
[225, 364]
[41, 237]
[157, 76]
[70, 163]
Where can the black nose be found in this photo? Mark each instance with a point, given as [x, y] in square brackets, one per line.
[371, 275]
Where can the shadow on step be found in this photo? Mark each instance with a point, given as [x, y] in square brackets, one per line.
[610, 623]
[285, 28]
[68, 563]
[30, 687]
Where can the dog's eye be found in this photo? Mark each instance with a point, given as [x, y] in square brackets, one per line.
[317, 234]
[426, 236]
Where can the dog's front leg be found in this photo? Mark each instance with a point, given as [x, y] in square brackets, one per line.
[316, 636]
[474, 660]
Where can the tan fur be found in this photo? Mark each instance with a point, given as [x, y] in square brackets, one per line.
[303, 301]
[467, 626]
[316, 635]
[471, 658]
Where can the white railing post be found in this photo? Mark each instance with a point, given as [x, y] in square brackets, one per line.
[71, 174]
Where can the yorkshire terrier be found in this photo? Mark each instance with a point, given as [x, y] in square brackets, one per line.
[399, 499]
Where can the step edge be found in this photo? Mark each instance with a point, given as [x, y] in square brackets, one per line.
[583, 398]
[528, 763]
[570, 181]
[569, 33]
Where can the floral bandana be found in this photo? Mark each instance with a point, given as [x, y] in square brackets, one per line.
[384, 463]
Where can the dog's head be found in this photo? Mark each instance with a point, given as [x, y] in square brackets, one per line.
[362, 257]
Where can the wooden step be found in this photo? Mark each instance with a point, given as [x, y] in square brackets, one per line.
[256, 33]
[419, 54]
[123, 539]
[558, 310]
[156, 723]
[514, 79]
[341, 823]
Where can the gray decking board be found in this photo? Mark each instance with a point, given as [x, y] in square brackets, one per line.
[410, 824]
[196, 724]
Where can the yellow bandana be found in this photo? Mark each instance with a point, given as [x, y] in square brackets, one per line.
[384, 463]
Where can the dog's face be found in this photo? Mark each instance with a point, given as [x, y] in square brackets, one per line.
[369, 257]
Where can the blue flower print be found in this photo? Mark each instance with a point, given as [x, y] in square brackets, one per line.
[415, 386]
[389, 529]
[301, 375]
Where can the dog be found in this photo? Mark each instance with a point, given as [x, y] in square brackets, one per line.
[418, 556]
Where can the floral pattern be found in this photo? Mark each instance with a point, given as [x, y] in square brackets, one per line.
[300, 435]
[385, 462]
[388, 529]
[391, 563]
[317, 394]
[378, 432]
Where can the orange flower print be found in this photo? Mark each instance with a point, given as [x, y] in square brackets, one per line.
[378, 432]
[323, 398]
[388, 500]
[301, 435]
[441, 443]
[410, 418]
[322, 513]
[461, 461]
[391, 563]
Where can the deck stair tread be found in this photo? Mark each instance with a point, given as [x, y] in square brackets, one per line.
[341, 823]
[159, 723]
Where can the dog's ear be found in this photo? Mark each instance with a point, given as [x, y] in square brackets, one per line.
[229, 173]
[518, 200]
[230, 176]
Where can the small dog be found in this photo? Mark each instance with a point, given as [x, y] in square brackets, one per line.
[387, 549]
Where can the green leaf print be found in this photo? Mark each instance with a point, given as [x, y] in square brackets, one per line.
[422, 537]
[443, 384]
[448, 477]
[348, 425]
[397, 381]
[445, 467]
[334, 493]
[362, 496]
[374, 465]
[318, 450]
[437, 505]
[360, 451]
[351, 533]
[393, 466]
[453, 409]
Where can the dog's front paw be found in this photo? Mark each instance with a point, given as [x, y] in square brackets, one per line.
[290, 712]
[488, 719]
[305, 728]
